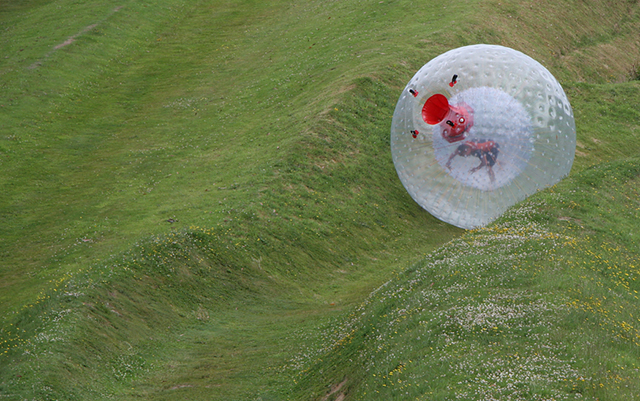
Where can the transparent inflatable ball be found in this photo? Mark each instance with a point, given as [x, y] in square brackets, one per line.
[478, 129]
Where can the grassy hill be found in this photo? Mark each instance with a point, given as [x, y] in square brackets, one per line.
[540, 305]
[198, 199]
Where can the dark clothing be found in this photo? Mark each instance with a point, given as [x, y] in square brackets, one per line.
[489, 149]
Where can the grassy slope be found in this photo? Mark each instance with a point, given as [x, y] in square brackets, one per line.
[228, 124]
[142, 98]
[540, 305]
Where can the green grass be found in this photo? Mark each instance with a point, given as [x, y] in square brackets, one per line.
[261, 130]
[540, 305]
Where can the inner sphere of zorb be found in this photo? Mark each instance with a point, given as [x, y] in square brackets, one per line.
[478, 129]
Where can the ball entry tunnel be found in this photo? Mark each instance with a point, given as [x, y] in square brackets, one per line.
[478, 129]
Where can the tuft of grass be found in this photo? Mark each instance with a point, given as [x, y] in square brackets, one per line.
[635, 71]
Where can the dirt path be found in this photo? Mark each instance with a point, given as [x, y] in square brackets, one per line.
[72, 39]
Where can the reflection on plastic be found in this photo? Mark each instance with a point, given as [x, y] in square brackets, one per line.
[467, 148]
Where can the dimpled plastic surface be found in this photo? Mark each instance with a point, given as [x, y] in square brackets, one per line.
[522, 138]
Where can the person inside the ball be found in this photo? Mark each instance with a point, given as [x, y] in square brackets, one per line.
[486, 150]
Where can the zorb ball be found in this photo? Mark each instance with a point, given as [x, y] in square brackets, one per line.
[478, 129]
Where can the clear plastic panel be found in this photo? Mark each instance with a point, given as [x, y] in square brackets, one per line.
[509, 132]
